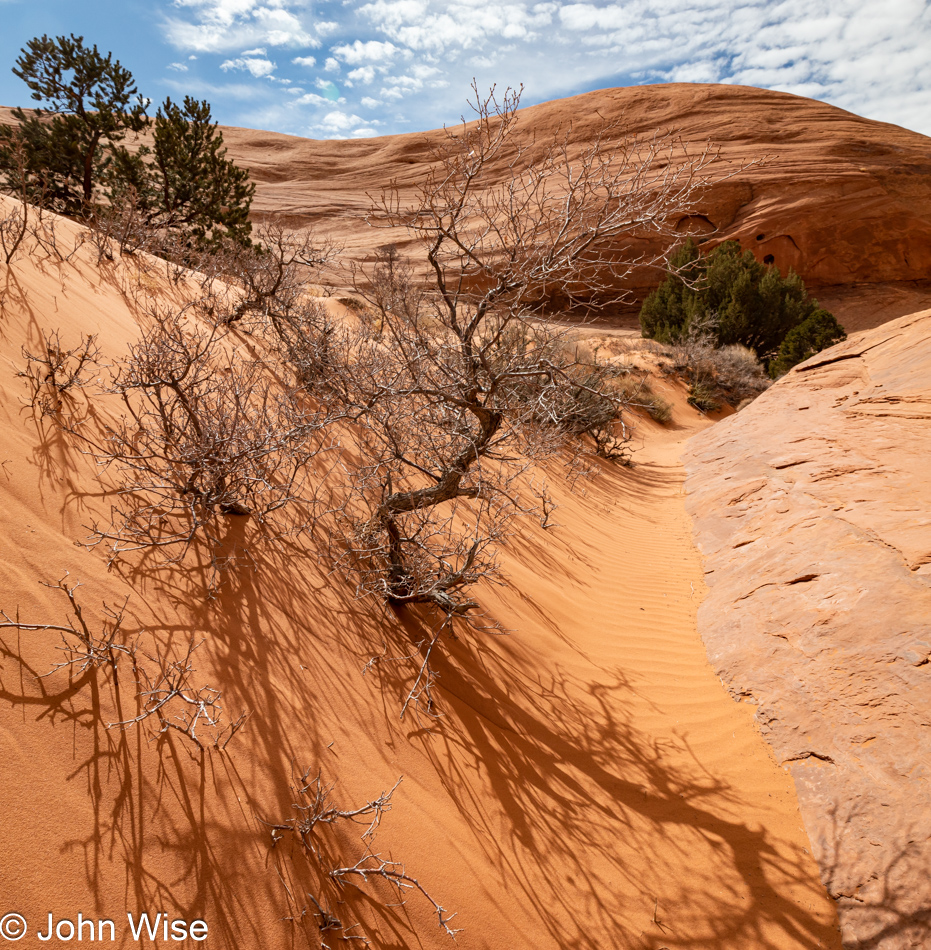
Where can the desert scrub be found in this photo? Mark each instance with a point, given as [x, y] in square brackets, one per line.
[735, 299]
[728, 374]
[702, 396]
[637, 393]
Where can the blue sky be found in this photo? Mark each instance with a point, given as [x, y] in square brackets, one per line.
[355, 68]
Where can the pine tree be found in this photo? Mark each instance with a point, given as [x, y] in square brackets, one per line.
[89, 103]
[184, 183]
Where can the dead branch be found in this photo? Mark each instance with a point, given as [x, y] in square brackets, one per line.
[166, 688]
[83, 646]
[316, 811]
[314, 806]
[53, 373]
[375, 866]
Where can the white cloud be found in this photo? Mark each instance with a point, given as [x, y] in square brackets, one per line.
[364, 74]
[312, 99]
[426, 25]
[421, 55]
[178, 67]
[370, 52]
[336, 124]
[256, 65]
[218, 26]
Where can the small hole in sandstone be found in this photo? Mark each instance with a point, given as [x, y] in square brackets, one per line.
[760, 237]
[769, 259]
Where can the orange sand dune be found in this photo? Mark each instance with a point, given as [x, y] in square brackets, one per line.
[580, 790]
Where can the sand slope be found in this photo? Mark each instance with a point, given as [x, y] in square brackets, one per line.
[589, 785]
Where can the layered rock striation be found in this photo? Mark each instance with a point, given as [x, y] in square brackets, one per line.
[812, 508]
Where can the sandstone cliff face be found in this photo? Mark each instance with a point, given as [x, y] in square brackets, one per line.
[812, 508]
[839, 198]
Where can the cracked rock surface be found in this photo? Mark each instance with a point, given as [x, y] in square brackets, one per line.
[812, 509]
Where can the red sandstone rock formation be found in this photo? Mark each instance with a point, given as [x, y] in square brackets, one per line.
[842, 199]
[812, 508]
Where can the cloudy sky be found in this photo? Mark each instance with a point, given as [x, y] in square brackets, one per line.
[353, 68]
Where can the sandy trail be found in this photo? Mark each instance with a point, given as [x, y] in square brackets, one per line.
[590, 784]
[637, 805]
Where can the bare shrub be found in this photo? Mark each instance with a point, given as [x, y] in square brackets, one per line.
[122, 225]
[315, 811]
[274, 271]
[47, 235]
[715, 374]
[52, 374]
[739, 373]
[168, 697]
[206, 432]
[13, 226]
[21, 184]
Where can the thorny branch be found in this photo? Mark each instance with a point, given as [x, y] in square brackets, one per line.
[315, 810]
[169, 684]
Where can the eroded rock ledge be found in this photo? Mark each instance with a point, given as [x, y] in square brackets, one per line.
[812, 508]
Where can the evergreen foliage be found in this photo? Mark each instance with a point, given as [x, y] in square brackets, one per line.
[185, 183]
[815, 333]
[741, 301]
[89, 103]
[65, 153]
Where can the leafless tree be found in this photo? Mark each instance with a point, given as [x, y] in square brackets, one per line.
[454, 385]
